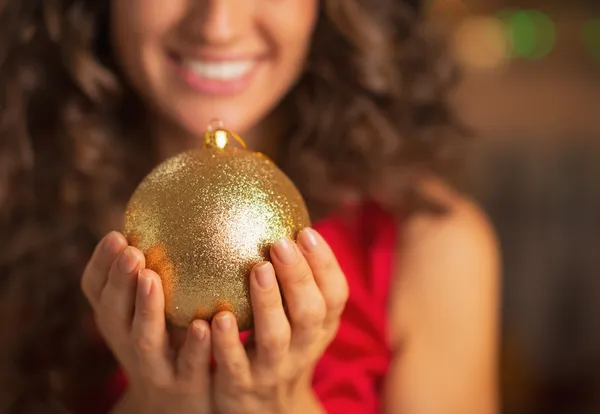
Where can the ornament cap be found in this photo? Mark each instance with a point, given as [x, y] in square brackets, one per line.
[216, 136]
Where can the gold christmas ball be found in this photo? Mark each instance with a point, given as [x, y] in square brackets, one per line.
[204, 218]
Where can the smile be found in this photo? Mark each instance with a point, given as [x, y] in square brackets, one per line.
[216, 76]
[224, 70]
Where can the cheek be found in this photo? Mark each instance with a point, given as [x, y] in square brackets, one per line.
[146, 18]
[137, 27]
[291, 28]
[294, 21]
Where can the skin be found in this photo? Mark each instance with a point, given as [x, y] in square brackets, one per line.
[443, 306]
[443, 319]
[274, 34]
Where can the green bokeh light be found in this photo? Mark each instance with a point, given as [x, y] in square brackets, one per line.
[546, 34]
[532, 34]
[591, 38]
[523, 34]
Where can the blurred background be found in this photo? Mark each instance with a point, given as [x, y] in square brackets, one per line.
[531, 91]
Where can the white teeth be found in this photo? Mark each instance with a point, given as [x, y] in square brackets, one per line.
[219, 70]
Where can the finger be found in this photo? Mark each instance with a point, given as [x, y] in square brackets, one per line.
[96, 272]
[118, 296]
[193, 362]
[327, 273]
[177, 336]
[305, 304]
[148, 329]
[271, 326]
[233, 366]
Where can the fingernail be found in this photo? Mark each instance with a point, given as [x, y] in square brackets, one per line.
[224, 322]
[199, 330]
[308, 238]
[128, 261]
[264, 275]
[285, 251]
[144, 285]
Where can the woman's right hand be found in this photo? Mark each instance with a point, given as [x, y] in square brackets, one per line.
[128, 304]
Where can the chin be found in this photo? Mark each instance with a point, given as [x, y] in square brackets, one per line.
[196, 117]
[233, 122]
[196, 125]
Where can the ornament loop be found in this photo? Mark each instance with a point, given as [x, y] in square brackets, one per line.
[238, 139]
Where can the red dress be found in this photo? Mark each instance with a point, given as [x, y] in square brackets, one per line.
[348, 378]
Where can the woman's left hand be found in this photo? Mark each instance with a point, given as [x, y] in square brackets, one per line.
[277, 371]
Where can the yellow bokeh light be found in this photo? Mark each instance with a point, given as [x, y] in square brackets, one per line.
[482, 43]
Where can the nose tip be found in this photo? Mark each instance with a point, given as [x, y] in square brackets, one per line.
[222, 21]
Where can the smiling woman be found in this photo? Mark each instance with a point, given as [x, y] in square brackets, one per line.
[387, 297]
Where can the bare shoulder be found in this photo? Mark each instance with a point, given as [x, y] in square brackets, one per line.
[464, 230]
[444, 312]
[446, 263]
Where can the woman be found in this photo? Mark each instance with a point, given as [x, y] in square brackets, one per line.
[349, 98]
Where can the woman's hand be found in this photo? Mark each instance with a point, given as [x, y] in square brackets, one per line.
[128, 303]
[275, 374]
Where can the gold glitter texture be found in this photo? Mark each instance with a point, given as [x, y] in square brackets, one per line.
[204, 218]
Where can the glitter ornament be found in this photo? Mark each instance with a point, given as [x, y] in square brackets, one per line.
[204, 218]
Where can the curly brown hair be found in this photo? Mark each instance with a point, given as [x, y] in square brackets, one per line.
[369, 113]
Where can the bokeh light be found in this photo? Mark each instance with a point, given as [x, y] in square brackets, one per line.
[532, 33]
[481, 43]
[522, 34]
[591, 38]
[546, 34]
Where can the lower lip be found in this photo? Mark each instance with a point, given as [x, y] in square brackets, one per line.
[203, 85]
